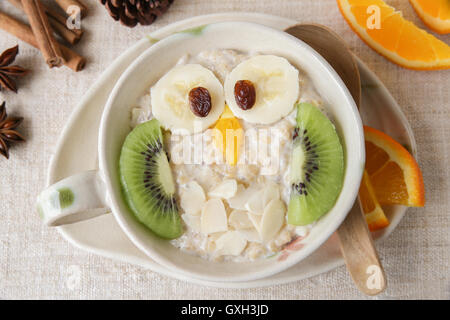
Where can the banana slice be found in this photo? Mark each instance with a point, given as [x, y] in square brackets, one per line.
[276, 84]
[170, 99]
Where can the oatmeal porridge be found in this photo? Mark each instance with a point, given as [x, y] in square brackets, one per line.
[223, 201]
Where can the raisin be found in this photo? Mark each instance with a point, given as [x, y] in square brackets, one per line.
[200, 101]
[245, 94]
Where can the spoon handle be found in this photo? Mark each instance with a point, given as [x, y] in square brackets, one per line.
[360, 254]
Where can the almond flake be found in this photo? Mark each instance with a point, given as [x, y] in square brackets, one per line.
[231, 243]
[271, 192]
[193, 222]
[302, 231]
[272, 219]
[214, 217]
[255, 202]
[192, 198]
[238, 201]
[239, 220]
[225, 190]
[256, 220]
[250, 235]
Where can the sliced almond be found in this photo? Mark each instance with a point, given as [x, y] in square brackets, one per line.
[255, 202]
[211, 241]
[256, 220]
[272, 219]
[302, 231]
[207, 178]
[214, 236]
[136, 116]
[283, 237]
[238, 201]
[193, 222]
[239, 220]
[271, 192]
[250, 235]
[225, 190]
[214, 217]
[255, 250]
[192, 198]
[231, 243]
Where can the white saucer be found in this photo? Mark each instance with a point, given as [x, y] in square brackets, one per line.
[77, 151]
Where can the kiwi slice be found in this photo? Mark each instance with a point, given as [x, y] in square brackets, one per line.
[147, 180]
[317, 166]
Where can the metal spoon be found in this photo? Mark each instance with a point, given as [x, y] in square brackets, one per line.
[356, 242]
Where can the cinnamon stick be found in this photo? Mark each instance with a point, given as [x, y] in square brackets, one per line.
[43, 33]
[57, 22]
[60, 22]
[22, 31]
[69, 35]
[65, 4]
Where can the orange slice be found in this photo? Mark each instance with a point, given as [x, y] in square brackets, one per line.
[387, 32]
[229, 136]
[393, 172]
[434, 13]
[375, 217]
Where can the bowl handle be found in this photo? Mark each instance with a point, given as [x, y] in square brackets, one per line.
[76, 198]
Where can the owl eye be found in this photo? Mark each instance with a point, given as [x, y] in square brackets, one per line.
[200, 101]
[188, 99]
[262, 89]
[245, 94]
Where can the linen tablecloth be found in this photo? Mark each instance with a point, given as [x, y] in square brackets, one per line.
[36, 262]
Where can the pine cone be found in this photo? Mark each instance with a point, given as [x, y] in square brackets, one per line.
[132, 12]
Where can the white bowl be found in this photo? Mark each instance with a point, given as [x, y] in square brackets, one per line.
[160, 58]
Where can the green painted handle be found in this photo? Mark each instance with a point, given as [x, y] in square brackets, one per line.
[77, 198]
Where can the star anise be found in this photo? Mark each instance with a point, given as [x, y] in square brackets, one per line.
[8, 133]
[7, 72]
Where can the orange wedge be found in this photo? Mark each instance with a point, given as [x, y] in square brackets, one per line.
[387, 32]
[434, 13]
[393, 172]
[375, 217]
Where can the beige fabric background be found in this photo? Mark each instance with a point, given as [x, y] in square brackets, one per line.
[35, 262]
